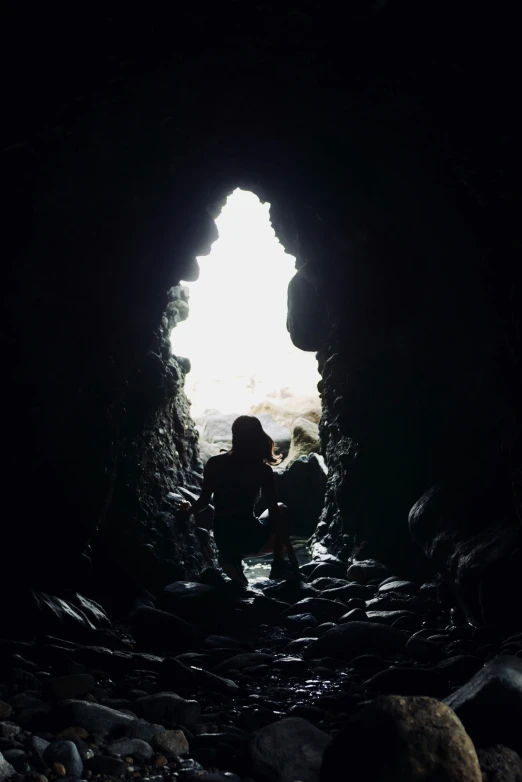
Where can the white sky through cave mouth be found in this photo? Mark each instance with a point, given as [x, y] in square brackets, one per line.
[235, 335]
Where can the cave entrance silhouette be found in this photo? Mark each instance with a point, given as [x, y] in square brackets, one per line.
[241, 355]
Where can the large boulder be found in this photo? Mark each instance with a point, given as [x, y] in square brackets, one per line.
[396, 739]
[301, 487]
[490, 703]
[305, 440]
[469, 530]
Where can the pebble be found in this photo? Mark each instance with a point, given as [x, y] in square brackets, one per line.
[172, 742]
[135, 748]
[65, 754]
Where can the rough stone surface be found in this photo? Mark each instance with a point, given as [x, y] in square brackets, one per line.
[172, 742]
[500, 681]
[6, 769]
[404, 740]
[289, 750]
[500, 764]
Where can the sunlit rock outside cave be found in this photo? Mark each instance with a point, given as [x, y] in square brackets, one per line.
[231, 325]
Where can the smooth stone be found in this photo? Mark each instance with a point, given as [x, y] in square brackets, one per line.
[349, 592]
[401, 739]
[172, 742]
[477, 703]
[298, 644]
[366, 570]
[323, 610]
[459, 668]
[301, 620]
[288, 750]
[66, 753]
[92, 716]
[389, 617]
[245, 660]
[407, 587]
[355, 615]
[146, 731]
[134, 748]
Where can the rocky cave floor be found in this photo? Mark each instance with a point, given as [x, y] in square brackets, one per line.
[201, 682]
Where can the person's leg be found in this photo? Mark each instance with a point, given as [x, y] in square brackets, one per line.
[280, 541]
[233, 570]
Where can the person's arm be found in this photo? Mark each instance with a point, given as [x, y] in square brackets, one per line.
[206, 493]
[278, 520]
[269, 493]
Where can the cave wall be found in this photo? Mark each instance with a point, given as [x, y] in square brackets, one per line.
[394, 186]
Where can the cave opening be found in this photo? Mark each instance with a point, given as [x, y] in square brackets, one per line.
[229, 331]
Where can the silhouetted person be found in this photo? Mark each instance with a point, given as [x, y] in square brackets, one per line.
[235, 479]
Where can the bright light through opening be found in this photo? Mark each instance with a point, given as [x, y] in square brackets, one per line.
[235, 335]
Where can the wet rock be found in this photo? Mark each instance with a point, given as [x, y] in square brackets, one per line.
[367, 570]
[476, 703]
[298, 644]
[241, 661]
[289, 750]
[500, 764]
[159, 631]
[220, 641]
[323, 610]
[5, 710]
[72, 686]
[6, 769]
[146, 731]
[92, 716]
[355, 615]
[8, 730]
[406, 587]
[352, 639]
[301, 487]
[65, 753]
[168, 707]
[329, 570]
[134, 748]
[172, 742]
[390, 617]
[297, 621]
[404, 740]
[348, 592]
[213, 683]
[369, 663]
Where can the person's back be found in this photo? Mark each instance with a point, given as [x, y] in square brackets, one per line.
[235, 480]
[237, 484]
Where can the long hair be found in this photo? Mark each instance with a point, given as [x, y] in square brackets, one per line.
[250, 440]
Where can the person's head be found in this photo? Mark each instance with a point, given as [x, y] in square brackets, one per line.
[250, 440]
